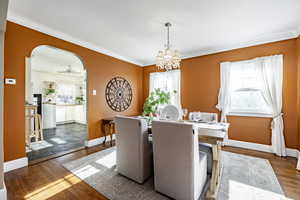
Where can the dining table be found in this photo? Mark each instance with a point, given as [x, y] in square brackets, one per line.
[212, 133]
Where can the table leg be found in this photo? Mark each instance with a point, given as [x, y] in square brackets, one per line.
[216, 172]
[112, 131]
[111, 134]
[105, 133]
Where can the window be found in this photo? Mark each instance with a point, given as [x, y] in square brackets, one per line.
[246, 90]
[169, 82]
[254, 88]
[65, 93]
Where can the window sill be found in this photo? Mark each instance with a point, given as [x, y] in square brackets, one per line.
[250, 115]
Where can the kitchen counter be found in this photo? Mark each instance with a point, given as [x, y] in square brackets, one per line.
[49, 103]
[69, 104]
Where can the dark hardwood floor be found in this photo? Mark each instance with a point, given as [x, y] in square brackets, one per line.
[50, 180]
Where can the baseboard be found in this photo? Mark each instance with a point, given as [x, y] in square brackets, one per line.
[259, 147]
[249, 145]
[97, 141]
[3, 193]
[65, 122]
[94, 142]
[70, 122]
[80, 122]
[292, 152]
[15, 164]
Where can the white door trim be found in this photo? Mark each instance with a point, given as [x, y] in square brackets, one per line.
[3, 193]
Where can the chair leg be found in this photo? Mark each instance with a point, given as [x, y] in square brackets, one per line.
[41, 128]
[36, 127]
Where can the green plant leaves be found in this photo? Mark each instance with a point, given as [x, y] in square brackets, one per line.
[156, 98]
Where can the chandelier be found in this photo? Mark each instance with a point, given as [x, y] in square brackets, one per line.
[168, 59]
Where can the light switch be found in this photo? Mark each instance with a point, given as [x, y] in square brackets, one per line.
[10, 81]
[94, 92]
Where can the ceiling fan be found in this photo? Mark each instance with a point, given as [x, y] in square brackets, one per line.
[69, 70]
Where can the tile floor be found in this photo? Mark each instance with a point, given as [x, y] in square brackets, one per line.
[63, 138]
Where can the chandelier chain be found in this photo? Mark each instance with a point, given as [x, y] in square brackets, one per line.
[168, 36]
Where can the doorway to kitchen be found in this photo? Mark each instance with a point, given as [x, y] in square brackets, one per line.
[56, 103]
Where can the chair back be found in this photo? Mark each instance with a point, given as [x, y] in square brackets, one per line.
[209, 117]
[170, 112]
[176, 160]
[203, 116]
[133, 148]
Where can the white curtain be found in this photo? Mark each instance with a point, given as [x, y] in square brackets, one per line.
[272, 76]
[224, 93]
[168, 81]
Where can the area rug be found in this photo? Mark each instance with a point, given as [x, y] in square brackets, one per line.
[243, 177]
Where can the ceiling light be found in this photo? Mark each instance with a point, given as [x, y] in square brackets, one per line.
[168, 59]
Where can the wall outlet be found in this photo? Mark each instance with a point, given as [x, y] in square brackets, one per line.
[10, 81]
[94, 92]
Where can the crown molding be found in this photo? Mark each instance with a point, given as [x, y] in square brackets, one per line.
[263, 39]
[11, 16]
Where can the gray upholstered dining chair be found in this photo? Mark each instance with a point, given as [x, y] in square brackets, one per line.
[203, 116]
[180, 170]
[134, 151]
[209, 117]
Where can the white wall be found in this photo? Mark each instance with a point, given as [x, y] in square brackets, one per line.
[38, 79]
[78, 113]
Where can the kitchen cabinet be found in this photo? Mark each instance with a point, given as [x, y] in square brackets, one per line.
[60, 114]
[70, 113]
[80, 114]
[49, 115]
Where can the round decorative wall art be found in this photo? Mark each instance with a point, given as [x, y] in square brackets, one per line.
[118, 94]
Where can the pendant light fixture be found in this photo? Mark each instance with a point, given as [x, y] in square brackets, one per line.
[168, 59]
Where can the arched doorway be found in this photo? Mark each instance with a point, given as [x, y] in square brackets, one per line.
[56, 103]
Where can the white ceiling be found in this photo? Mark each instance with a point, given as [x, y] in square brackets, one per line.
[133, 30]
[49, 59]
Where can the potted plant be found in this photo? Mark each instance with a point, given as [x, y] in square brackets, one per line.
[50, 91]
[156, 98]
[79, 100]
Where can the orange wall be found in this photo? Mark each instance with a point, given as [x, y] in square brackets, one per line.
[201, 82]
[298, 85]
[19, 43]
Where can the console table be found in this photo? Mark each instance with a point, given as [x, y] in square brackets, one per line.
[108, 128]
